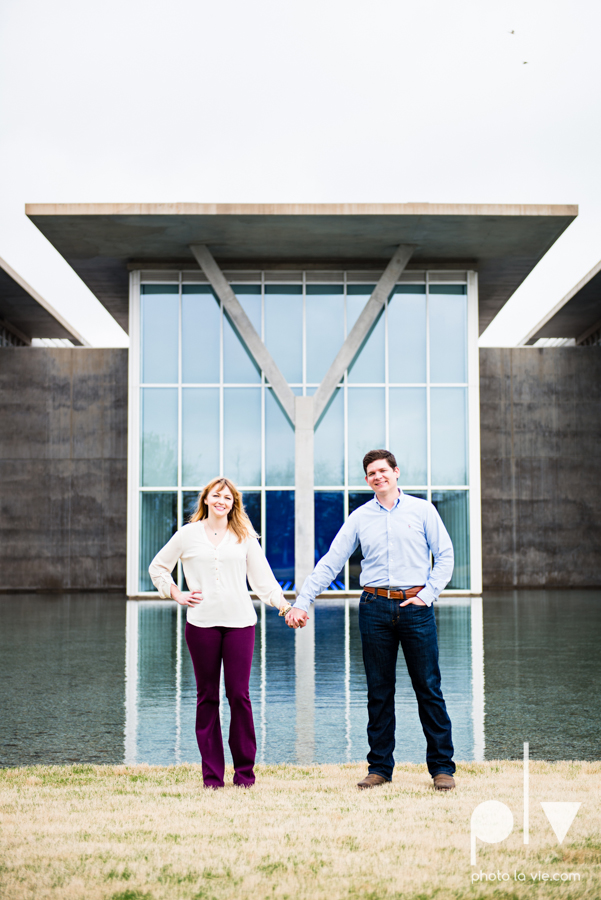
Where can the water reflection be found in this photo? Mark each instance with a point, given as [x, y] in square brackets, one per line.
[93, 678]
[307, 687]
[542, 674]
[61, 679]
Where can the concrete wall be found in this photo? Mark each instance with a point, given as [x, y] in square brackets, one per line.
[541, 466]
[63, 468]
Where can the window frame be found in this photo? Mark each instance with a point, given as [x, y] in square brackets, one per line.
[427, 278]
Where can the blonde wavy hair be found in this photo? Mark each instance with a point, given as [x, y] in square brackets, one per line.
[237, 518]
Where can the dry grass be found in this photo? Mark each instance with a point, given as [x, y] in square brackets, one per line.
[148, 833]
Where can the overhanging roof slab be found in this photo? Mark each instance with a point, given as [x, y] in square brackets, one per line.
[502, 242]
[576, 314]
[22, 307]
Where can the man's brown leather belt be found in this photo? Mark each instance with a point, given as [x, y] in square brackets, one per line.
[395, 595]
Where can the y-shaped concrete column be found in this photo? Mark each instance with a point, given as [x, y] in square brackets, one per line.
[304, 412]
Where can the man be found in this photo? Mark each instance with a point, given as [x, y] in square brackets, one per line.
[397, 533]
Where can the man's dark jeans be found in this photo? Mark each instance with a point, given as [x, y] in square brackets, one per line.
[383, 623]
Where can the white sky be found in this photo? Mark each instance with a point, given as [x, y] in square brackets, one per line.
[305, 101]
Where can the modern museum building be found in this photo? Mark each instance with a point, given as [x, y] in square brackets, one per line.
[277, 344]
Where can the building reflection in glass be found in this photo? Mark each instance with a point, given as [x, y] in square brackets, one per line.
[307, 687]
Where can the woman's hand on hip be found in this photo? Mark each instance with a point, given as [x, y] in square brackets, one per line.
[193, 598]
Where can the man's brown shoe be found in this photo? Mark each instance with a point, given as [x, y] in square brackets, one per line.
[444, 782]
[372, 780]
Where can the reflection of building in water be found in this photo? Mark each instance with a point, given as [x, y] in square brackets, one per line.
[61, 679]
[304, 658]
[307, 688]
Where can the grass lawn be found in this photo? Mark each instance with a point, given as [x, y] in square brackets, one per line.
[148, 833]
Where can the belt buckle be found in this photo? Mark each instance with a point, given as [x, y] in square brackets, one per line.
[388, 592]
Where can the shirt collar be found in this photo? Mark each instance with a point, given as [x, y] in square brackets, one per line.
[398, 501]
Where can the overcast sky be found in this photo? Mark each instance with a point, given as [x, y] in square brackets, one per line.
[308, 101]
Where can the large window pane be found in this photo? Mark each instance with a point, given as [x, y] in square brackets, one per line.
[279, 443]
[284, 328]
[238, 365]
[407, 334]
[201, 338]
[159, 326]
[355, 500]
[252, 505]
[158, 522]
[369, 366]
[242, 435]
[408, 433]
[159, 437]
[453, 507]
[189, 501]
[448, 424]
[366, 428]
[423, 495]
[279, 539]
[200, 431]
[448, 333]
[329, 443]
[329, 513]
[325, 328]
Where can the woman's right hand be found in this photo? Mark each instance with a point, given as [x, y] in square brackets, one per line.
[192, 599]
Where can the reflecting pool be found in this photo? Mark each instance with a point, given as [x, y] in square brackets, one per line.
[96, 678]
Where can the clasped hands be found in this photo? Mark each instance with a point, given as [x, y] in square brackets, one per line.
[296, 618]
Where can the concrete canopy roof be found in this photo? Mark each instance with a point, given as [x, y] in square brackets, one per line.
[102, 241]
[576, 316]
[27, 314]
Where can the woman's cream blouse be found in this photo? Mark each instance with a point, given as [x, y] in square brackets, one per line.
[220, 573]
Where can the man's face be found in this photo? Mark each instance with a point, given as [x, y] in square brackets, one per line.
[381, 477]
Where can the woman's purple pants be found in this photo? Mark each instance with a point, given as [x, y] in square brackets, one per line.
[208, 648]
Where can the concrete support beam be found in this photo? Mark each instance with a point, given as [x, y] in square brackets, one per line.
[304, 515]
[361, 328]
[245, 328]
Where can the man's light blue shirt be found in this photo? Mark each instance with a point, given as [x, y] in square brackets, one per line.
[396, 545]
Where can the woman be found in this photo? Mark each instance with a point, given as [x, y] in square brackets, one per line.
[219, 550]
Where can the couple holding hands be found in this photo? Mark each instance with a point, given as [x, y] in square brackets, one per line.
[219, 551]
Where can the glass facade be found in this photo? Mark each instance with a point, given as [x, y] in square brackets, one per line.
[206, 409]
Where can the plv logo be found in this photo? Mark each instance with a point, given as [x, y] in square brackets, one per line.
[492, 821]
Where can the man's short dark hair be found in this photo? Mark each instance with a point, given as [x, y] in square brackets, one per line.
[373, 455]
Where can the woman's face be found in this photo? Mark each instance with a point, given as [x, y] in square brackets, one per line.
[220, 501]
